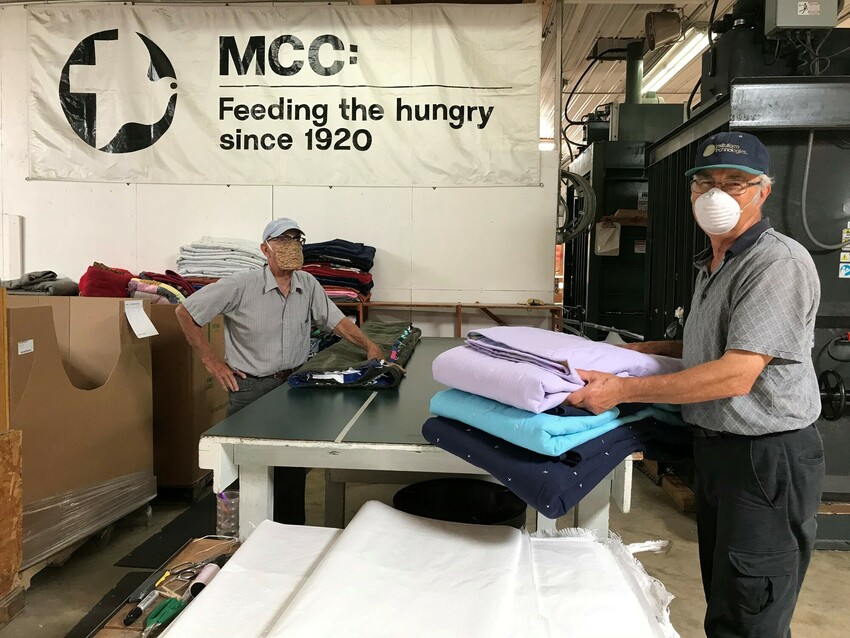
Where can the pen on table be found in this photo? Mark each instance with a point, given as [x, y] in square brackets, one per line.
[141, 608]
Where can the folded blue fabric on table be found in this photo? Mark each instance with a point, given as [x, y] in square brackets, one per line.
[550, 485]
[542, 433]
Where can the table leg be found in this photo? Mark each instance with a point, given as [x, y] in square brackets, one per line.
[218, 458]
[334, 502]
[622, 488]
[592, 511]
[256, 497]
[546, 524]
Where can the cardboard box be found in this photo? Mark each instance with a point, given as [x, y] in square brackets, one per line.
[80, 391]
[10, 511]
[187, 401]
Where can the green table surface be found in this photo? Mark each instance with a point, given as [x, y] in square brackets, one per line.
[395, 415]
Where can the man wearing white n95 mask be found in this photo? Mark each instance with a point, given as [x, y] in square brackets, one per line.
[750, 392]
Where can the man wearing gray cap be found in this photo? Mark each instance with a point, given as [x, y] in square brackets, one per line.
[750, 392]
[268, 314]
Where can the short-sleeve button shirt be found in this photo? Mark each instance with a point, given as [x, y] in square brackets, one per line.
[763, 298]
[264, 331]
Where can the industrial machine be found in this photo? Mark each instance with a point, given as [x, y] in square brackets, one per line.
[606, 288]
[783, 77]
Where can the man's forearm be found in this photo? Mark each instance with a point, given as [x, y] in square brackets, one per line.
[664, 348]
[730, 376]
[194, 334]
[349, 331]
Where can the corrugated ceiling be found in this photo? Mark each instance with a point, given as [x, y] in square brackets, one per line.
[583, 21]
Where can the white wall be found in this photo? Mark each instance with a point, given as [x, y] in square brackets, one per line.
[451, 244]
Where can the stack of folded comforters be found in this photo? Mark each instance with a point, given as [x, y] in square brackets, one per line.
[154, 291]
[219, 257]
[505, 413]
[342, 268]
[343, 364]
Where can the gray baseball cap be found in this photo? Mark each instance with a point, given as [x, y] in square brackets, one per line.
[276, 227]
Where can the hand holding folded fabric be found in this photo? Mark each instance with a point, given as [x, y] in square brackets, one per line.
[602, 391]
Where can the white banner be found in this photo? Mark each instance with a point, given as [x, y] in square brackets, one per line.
[427, 95]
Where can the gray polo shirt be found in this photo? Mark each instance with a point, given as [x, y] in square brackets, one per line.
[264, 332]
[763, 298]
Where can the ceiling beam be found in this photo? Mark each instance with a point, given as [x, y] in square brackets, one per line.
[631, 2]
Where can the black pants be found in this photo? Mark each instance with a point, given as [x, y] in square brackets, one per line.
[289, 482]
[756, 503]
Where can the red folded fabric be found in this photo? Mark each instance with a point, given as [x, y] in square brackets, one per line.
[102, 282]
[338, 273]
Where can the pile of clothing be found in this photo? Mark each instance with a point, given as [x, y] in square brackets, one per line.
[154, 291]
[41, 282]
[101, 280]
[342, 365]
[219, 257]
[342, 268]
[169, 287]
[504, 413]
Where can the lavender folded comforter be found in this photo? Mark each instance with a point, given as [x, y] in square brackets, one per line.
[534, 369]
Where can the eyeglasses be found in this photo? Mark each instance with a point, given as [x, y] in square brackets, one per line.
[734, 187]
[285, 239]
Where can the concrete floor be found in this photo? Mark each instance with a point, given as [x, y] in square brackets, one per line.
[59, 597]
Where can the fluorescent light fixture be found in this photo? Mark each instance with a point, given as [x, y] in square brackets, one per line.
[676, 58]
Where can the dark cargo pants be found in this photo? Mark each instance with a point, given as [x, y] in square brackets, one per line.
[756, 503]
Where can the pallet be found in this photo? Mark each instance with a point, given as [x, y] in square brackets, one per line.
[660, 474]
[185, 493]
[11, 605]
[653, 470]
[834, 507]
[682, 495]
[56, 560]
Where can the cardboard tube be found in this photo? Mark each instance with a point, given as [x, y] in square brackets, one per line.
[203, 579]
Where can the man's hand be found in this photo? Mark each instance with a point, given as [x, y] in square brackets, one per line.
[602, 391]
[373, 351]
[223, 373]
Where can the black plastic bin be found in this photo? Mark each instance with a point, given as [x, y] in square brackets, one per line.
[461, 500]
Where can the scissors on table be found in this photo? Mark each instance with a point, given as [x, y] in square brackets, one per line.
[165, 612]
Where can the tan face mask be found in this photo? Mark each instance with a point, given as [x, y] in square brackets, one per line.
[288, 255]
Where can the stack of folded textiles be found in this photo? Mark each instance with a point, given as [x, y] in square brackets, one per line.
[342, 268]
[171, 278]
[41, 282]
[154, 291]
[504, 413]
[219, 257]
[342, 365]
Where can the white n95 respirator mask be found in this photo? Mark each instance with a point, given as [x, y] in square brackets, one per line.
[717, 212]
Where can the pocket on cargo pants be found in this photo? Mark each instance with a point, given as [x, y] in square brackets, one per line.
[762, 580]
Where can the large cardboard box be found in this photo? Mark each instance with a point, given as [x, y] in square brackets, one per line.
[187, 400]
[80, 393]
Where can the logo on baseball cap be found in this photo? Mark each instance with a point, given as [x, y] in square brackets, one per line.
[732, 150]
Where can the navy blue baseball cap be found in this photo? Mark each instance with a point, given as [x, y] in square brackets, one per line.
[732, 150]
